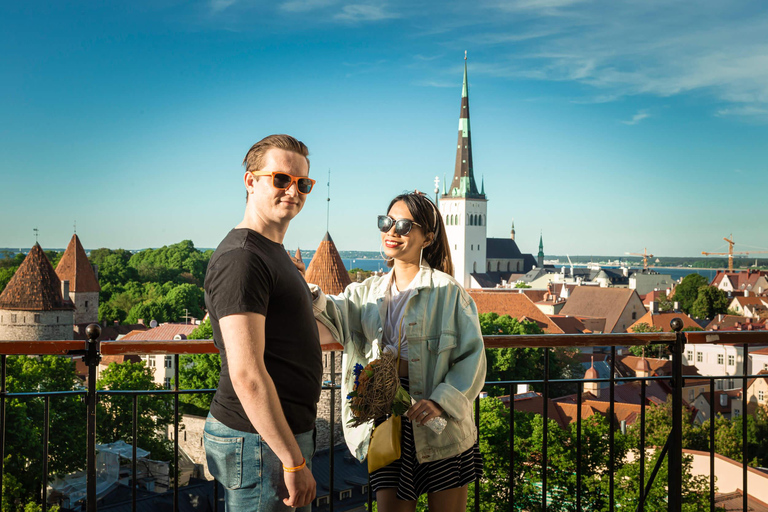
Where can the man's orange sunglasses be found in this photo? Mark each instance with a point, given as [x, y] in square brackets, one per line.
[283, 181]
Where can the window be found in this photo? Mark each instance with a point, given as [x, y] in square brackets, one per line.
[37, 318]
[699, 357]
[13, 318]
[86, 304]
[167, 383]
[169, 361]
[321, 500]
[760, 395]
[343, 495]
[634, 315]
[718, 385]
[690, 394]
[719, 358]
[736, 413]
[765, 366]
[689, 355]
[731, 360]
[151, 361]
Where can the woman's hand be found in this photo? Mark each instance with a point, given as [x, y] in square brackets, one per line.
[423, 411]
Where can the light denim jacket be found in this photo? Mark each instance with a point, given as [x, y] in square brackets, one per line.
[445, 349]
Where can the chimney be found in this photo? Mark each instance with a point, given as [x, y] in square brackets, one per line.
[654, 307]
[676, 306]
[523, 388]
[65, 289]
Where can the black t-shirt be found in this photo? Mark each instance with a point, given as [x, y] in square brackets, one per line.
[250, 273]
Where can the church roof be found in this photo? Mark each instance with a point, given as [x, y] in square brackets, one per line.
[595, 301]
[75, 268]
[326, 269]
[502, 248]
[463, 183]
[35, 286]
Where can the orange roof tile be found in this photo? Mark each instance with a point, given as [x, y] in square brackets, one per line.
[517, 305]
[663, 319]
[595, 301]
[162, 332]
[35, 286]
[75, 268]
[326, 269]
[568, 324]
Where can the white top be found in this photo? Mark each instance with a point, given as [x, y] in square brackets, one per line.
[396, 301]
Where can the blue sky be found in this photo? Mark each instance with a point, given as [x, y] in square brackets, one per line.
[608, 126]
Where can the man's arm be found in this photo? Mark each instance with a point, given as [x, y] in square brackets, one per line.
[244, 340]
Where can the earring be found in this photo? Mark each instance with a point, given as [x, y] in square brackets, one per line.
[381, 251]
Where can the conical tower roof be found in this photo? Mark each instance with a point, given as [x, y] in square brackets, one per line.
[326, 268]
[463, 183]
[75, 268]
[35, 286]
[591, 373]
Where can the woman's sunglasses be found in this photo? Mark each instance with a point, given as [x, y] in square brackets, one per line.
[402, 226]
[283, 181]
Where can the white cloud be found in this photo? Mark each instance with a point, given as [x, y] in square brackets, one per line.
[305, 5]
[643, 114]
[221, 5]
[748, 111]
[364, 12]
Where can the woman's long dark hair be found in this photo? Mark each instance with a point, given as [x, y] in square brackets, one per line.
[424, 211]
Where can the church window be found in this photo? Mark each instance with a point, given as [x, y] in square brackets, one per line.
[37, 318]
[86, 304]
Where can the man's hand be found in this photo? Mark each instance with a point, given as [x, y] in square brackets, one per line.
[423, 411]
[301, 488]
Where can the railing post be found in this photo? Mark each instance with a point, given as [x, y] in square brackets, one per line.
[91, 358]
[675, 482]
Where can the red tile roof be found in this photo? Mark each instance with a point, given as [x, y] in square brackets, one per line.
[326, 269]
[517, 305]
[595, 301]
[663, 319]
[35, 286]
[568, 324]
[75, 268]
[162, 332]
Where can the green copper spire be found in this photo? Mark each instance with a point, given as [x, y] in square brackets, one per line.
[540, 256]
[463, 183]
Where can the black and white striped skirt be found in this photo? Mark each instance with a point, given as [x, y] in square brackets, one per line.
[412, 479]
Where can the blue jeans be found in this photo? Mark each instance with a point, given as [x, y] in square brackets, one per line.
[248, 469]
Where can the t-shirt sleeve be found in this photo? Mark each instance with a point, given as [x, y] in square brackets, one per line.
[240, 283]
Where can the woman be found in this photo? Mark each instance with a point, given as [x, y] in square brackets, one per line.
[421, 309]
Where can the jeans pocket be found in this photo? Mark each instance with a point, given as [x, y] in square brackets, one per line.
[225, 459]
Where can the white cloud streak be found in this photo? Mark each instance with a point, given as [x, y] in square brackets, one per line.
[643, 114]
[364, 12]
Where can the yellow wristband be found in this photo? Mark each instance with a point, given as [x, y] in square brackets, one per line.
[297, 468]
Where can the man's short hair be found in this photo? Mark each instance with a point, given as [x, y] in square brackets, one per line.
[254, 159]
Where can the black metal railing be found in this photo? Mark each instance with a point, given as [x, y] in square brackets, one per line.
[672, 451]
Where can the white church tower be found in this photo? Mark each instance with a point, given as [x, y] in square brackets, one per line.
[463, 207]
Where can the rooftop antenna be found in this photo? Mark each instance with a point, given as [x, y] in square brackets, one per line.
[37, 232]
[328, 204]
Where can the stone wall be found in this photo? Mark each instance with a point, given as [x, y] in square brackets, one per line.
[86, 307]
[324, 405]
[36, 325]
[191, 440]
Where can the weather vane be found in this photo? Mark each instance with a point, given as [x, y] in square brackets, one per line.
[37, 231]
[74, 226]
[328, 204]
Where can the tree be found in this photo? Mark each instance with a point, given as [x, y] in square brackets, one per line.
[6, 273]
[524, 363]
[115, 412]
[688, 290]
[709, 302]
[24, 442]
[158, 310]
[522, 285]
[199, 371]
[186, 299]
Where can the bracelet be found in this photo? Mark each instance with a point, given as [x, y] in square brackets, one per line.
[297, 468]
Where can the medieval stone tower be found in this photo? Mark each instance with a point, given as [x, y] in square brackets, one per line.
[35, 304]
[463, 207]
[83, 285]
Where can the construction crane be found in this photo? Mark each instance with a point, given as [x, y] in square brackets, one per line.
[730, 252]
[645, 256]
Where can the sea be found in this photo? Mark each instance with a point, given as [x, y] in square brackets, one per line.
[677, 273]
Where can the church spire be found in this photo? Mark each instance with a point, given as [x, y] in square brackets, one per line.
[540, 257]
[463, 183]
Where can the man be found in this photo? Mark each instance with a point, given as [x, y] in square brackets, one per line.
[259, 436]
